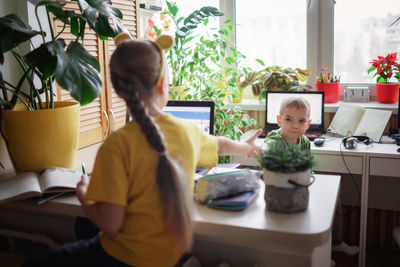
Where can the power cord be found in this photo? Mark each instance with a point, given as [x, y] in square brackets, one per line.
[354, 181]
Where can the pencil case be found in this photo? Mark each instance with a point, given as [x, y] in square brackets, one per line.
[218, 185]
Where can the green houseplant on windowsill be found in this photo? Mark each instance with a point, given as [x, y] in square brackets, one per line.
[71, 66]
[286, 174]
[276, 78]
[206, 65]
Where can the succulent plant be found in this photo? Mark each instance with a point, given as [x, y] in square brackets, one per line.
[284, 158]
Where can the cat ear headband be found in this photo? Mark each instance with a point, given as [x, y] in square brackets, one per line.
[162, 43]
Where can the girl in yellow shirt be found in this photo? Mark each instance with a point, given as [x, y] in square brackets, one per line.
[139, 195]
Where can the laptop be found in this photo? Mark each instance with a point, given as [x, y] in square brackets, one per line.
[316, 100]
[200, 113]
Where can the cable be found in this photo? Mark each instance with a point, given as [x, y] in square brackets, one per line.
[354, 181]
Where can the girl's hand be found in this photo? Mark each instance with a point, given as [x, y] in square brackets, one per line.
[252, 149]
[81, 188]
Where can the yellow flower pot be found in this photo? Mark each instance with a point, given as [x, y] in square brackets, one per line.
[41, 138]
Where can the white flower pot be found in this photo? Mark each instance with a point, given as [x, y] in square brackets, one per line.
[279, 179]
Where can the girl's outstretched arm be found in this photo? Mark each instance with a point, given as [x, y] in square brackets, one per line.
[247, 149]
[108, 217]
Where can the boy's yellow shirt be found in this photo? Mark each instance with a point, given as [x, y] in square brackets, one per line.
[125, 174]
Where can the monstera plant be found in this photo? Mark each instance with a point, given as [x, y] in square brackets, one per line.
[71, 66]
[31, 121]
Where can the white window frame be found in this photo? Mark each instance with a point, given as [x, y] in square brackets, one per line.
[320, 32]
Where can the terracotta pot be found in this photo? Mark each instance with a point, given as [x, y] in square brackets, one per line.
[42, 138]
[387, 92]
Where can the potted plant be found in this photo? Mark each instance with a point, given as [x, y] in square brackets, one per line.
[386, 68]
[276, 78]
[286, 174]
[205, 66]
[32, 129]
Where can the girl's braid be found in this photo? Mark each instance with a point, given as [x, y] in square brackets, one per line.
[149, 128]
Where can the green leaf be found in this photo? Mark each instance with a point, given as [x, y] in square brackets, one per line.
[371, 69]
[56, 9]
[260, 62]
[13, 31]
[188, 39]
[98, 13]
[180, 34]
[191, 26]
[74, 26]
[172, 8]
[44, 58]
[75, 73]
[211, 11]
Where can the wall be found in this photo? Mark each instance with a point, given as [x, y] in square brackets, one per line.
[10, 69]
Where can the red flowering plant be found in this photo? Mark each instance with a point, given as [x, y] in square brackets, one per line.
[386, 68]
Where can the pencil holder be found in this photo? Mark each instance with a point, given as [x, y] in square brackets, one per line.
[331, 91]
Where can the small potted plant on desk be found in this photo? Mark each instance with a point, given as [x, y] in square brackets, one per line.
[40, 131]
[287, 176]
[386, 68]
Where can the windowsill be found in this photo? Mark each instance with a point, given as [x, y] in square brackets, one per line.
[259, 105]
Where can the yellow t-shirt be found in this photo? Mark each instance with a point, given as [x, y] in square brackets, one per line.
[124, 174]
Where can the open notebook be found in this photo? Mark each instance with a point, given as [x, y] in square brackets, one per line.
[353, 119]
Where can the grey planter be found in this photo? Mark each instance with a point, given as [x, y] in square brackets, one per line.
[287, 192]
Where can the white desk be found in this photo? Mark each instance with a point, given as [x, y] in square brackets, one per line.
[245, 238]
[378, 159]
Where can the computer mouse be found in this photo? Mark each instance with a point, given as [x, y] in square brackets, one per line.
[319, 141]
[398, 150]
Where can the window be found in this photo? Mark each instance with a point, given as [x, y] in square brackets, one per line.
[363, 35]
[277, 38]
[335, 35]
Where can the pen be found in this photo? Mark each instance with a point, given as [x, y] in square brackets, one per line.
[84, 169]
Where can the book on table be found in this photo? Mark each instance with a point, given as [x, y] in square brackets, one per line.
[50, 180]
[234, 202]
[353, 119]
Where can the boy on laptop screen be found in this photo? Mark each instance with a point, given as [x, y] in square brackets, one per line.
[316, 100]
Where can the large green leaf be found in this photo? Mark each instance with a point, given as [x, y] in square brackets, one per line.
[97, 14]
[76, 21]
[13, 31]
[44, 59]
[76, 72]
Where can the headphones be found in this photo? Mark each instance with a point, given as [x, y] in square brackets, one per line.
[351, 142]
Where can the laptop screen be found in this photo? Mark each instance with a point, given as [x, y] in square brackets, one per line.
[200, 113]
[316, 100]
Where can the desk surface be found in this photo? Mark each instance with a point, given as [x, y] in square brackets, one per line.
[333, 146]
[254, 225]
